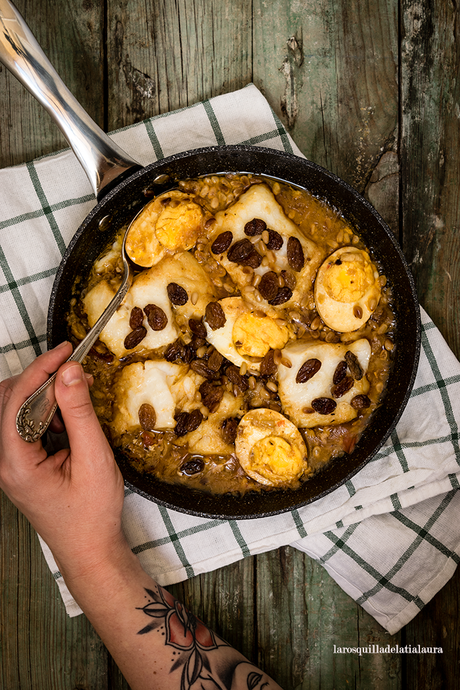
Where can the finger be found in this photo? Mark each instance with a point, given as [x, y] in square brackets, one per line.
[56, 424]
[82, 425]
[14, 392]
[38, 372]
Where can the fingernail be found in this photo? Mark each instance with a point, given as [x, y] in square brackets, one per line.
[72, 375]
[63, 344]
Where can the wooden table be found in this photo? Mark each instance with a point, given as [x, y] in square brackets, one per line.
[369, 89]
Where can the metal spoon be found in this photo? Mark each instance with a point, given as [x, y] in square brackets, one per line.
[35, 415]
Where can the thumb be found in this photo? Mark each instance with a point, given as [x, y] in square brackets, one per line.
[82, 426]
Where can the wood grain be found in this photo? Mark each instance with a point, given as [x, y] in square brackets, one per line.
[430, 146]
[162, 56]
[430, 155]
[330, 71]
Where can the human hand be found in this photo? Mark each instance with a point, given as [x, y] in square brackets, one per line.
[73, 498]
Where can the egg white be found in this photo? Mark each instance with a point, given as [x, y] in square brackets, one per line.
[259, 202]
[163, 385]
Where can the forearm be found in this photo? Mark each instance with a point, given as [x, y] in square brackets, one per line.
[154, 640]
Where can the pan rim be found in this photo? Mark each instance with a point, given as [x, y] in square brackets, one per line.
[286, 157]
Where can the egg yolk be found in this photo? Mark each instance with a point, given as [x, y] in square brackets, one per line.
[178, 226]
[274, 457]
[253, 336]
[349, 277]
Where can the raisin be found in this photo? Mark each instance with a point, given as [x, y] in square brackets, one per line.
[136, 318]
[215, 315]
[194, 420]
[187, 422]
[275, 241]
[211, 395]
[268, 286]
[215, 361]
[181, 421]
[133, 339]
[267, 365]
[189, 353]
[194, 466]
[283, 295]
[323, 405]
[379, 315]
[147, 417]
[340, 372]
[295, 255]
[103, 356]
[239, 251]
[354, 365]
[175, 351]
[308, 370]
[201, 367]
[198, 328]
[343, 387]
[177, 294]
[360, 402]
[228, 429]
[253, 260]
[156, 317]
[254, 227]
[178, 351]
[222, 242]
[233, 374]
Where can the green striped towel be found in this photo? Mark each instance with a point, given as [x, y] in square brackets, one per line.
[390, 537]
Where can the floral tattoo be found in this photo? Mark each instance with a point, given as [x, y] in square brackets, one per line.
[194, 643]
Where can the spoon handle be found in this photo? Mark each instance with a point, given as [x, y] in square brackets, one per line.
[35, 415]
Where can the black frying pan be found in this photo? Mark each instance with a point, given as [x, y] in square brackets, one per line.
[120, 200]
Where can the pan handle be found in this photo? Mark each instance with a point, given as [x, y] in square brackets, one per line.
[102, 160]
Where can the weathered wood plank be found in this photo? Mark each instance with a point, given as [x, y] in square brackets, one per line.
[71, 36]
[163, 55]
[41, 646]
[330, 72]
[430, 155]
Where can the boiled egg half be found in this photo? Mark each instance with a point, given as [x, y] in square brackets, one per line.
[270, 449]
[347, 289]
[171, 222]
